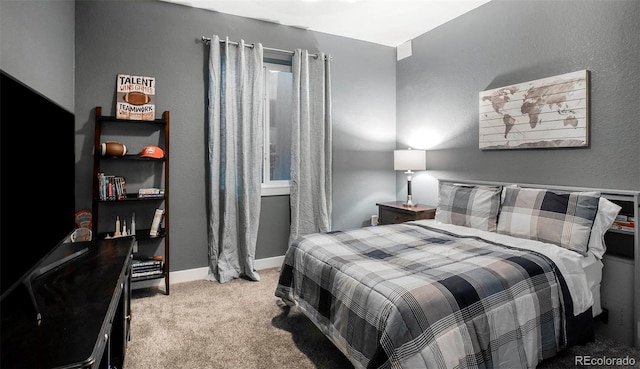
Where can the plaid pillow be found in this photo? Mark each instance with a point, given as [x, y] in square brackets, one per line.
[469, 206]
[563, 219]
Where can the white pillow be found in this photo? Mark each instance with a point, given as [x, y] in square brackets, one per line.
[607, 212]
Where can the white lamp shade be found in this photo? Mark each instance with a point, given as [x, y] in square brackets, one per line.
[409, 159]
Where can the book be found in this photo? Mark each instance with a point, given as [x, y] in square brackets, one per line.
[111, 187]
[145, 268]
[144, 258]
[122, 188]
[137, 264]
[625, 226]
[150, 196]
[155, 223]
[100, 186]
[135, 97]
[152, 190]
[148, 273]
[151, 193]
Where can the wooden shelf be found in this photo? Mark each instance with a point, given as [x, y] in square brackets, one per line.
[132, 130]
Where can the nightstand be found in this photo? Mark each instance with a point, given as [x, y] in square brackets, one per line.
[394, 212]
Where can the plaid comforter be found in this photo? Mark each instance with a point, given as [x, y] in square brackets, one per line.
[413, 296]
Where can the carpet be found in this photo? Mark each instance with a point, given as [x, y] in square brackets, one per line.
[240, 325]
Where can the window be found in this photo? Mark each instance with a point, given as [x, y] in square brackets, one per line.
[276, 172]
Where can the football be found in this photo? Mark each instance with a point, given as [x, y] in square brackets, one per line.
[136, 98]
[112, 148]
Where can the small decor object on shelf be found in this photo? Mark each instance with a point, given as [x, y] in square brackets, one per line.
[135, 97]
[116, 232]
[155, 224]
[152, 152]
[112, 148]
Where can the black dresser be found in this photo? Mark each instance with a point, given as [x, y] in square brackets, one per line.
[81, 295]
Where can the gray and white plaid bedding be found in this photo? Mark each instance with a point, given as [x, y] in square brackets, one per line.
[469, 206]
[413, 296]
[561, 218]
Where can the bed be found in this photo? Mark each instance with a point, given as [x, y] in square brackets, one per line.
[504, 277]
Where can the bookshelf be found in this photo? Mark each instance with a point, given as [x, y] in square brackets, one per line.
[131, 188]
[620, 287]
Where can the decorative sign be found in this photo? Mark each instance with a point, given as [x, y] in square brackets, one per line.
[549, 112]
[135, 97]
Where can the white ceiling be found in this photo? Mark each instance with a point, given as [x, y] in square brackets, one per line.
[385, 22]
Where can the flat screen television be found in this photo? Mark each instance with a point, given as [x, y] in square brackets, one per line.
[37, 181]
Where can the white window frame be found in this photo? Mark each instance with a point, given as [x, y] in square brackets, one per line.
[269, 187]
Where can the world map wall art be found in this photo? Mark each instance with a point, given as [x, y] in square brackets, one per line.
[545, 113]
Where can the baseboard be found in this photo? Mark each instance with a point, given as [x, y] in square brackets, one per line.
[268, 263]
[196, 274]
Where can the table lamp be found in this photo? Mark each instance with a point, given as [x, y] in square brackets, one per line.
[409, 160]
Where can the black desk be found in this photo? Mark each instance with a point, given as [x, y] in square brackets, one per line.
[85, 310]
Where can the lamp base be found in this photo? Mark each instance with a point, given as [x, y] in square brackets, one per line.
[409, 203]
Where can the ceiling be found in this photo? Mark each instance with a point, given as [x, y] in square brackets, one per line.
[366, 20]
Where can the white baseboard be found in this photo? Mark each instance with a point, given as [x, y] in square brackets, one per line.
[268, 263]
[201, 273]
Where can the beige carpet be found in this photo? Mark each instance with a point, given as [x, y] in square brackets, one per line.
[234, 325]
[238, 325]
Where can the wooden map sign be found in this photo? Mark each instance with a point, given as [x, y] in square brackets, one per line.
[135, 97]
[549, 112]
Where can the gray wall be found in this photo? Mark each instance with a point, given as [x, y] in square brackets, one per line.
[163, 40]
[437, 92]
[36, 46]
[506, 42]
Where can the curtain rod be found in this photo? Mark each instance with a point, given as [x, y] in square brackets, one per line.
[207, 40]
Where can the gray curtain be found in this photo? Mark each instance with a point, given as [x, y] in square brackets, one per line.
[311, 181]
[234, 158]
